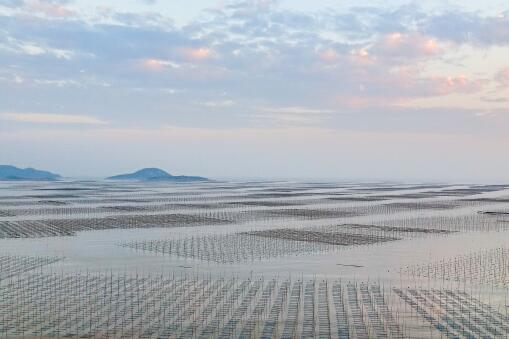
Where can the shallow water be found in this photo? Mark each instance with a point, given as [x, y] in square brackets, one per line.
[266, 206]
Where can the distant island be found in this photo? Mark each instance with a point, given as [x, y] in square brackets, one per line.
[8, 172]
[155, 174]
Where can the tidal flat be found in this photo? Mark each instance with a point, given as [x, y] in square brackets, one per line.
[254, 260]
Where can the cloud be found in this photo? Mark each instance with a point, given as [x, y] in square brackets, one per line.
[291, 116]
[34, 50]
[398, 44]
[31, 48]
[469, 27]
[451, 84]
[57, 82]
[296, 110]
[253, 64]
[404, 85]
[495, 99]
[247, 8]
[221, 103]
[196, 54]
[329, 55]
[44, 118]
[361, 56]
[48, 8]
[158, 64]
[261, 54]
[503, 77]
[141, 20]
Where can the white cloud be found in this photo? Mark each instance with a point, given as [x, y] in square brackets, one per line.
[292, 115]
[222, 103]
[18, 79]
[45, 118]
[297, 110]
[57, 82]
[34, 50]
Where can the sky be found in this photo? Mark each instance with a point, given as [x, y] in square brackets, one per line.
[383, 90]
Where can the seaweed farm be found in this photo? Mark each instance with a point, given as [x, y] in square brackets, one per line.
[253, 260]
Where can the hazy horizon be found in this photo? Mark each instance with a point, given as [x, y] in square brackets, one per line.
[337, 179]
[257, 89]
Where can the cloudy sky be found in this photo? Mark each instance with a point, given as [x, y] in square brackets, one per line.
[413, 90]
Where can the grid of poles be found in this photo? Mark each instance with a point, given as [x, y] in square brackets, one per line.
[127, 306]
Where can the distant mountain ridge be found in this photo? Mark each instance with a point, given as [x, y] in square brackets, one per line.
[155, 174]
[8, 172]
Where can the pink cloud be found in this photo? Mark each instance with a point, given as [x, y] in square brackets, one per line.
[328, 55]
[361, 57]
[403, 85]
[355, 59]
[196, 54]
[414, 45]
[49, 9]
[155, 64]
[152, 64]
[449, 85]
[410, 83]
[361, 101]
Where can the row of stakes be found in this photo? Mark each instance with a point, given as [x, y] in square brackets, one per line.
[43, 305]
[485, 267]
[183, 306]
